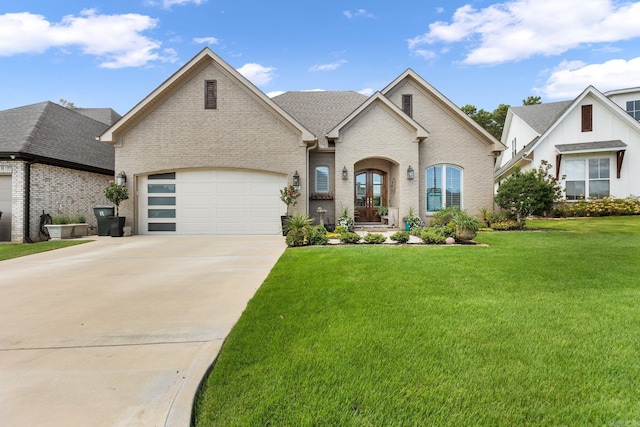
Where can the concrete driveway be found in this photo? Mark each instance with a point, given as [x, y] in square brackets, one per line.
[120, 331]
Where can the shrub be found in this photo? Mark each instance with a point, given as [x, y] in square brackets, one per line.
[443, 216]
[298, 229]
[374, 238]
[318, 235]
[400, 237]
[463, 220]
[61, 220]
[414, 221]
[349, 237]
[607, 206]
[533, 192]
[432, 236]
[341, 229]
[505, 225]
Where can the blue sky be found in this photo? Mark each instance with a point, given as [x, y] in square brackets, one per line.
[112, 53]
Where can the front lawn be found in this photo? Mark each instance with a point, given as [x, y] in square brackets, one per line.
[15, 250]
[538, 328]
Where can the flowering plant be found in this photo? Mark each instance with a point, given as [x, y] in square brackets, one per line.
[116, 194]
[289, 196]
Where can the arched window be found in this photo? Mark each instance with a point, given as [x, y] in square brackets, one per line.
[322, 179]
[444, 187]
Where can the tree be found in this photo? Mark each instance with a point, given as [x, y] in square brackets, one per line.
[532, 100]
[529, 193]
[67, 104]
[492, 122]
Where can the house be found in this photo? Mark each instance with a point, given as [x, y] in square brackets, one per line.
[51, 161]
[208, 153]
[591, 143]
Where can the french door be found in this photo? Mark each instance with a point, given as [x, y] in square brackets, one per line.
[370, 194]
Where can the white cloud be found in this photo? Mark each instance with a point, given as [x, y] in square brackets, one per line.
[569, 79]
[366, 91]
[168, 3]
[205, 40]
[357, 13]
[275, 93]
[519, 29]
[424, 53]
[115, 39]
[328, 67]
[256, 73]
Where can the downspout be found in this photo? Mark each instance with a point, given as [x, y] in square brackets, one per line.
[309, 148]
[27, 202]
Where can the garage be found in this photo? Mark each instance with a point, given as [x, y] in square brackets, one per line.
[213, 201]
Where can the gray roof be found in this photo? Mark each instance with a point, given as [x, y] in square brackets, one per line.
[104, 115]
[541, 116]
[320, 112]
[591, 146]
[50, 133]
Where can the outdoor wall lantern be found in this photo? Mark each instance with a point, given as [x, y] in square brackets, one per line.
[410, 174]
[296, 180]
[345, 173]
[121, 179]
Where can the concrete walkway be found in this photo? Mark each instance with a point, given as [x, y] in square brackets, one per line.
[120, 331]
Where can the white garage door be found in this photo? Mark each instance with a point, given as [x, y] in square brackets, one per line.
[211, 202]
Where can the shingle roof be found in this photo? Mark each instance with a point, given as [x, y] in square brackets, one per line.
[541, 116]
[50, 132]
[591, 146]
[320, 111]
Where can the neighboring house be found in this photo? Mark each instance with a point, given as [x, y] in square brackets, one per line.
[209, 153]
[591, 142]
[51, 161]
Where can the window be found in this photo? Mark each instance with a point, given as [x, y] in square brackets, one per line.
[587, 118]
[444, 187]
[322, 179]
[161, 202]
[210, 94]
[514, 146]
[587, 178]
[407, 104]
[633, 108]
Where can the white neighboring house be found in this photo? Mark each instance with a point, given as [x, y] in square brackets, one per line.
[591, 142]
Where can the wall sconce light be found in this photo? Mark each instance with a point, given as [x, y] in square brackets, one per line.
[121, 179]
[345, 173]
[296, 180]
[410, 174]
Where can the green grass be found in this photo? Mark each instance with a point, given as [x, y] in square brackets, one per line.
[15, 250]
[538, 328]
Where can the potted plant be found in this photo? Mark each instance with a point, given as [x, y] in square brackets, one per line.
[411, 221]
[116, 194]
[383, 213]
[467, 226]
[289, 196]
[345, 219]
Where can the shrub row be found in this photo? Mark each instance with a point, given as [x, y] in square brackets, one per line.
[607, 206]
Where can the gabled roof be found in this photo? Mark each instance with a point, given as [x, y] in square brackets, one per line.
[50, 133]
[421, 133]
[541, 116]
[205, 56]
[445, 102]
[320, 111]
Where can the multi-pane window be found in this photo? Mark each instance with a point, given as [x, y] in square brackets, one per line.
[210, 94]
[444, 187]
[587, 178]
[633, 108]
[161, 202]
[322, 179]
[587, 118]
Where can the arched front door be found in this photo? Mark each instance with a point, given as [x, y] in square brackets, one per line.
[370, 194]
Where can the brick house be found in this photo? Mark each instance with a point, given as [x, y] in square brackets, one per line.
[51, 161]
[207, 152]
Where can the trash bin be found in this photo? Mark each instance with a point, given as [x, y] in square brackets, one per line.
[102, 214]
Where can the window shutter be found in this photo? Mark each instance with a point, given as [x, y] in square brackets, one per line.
[587, 118]
[210, 94]
[407, 104]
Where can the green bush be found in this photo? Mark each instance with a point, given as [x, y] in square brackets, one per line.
[400, 237]
[318, 235]
[598, 207]
[374, 238]
[444, 216]
[341, 229]
[61, 219]
[349, 237]
[298, 229]
[505, 225]
[432, 236]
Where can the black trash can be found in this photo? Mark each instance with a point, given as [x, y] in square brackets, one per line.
[102, 214]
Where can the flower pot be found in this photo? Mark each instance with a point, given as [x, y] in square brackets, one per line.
[116, 224]
[465, 233]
